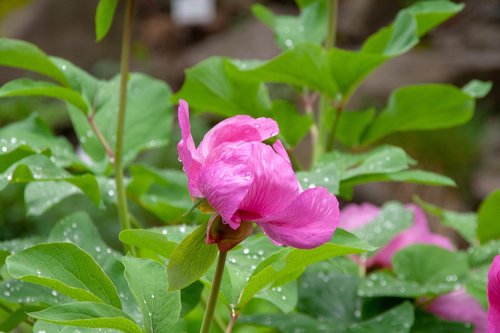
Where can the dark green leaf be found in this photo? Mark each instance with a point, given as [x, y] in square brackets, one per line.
[426, 322]
[488, 227]
[65, 268]
[421, 107]
[396, 320]
[190, 297]
[24, 55]
[147, 280]
[104, 17]
[88, 314]
[216, 85]
[352, 125]
[190, 259]
[27, 87]
[41, 326]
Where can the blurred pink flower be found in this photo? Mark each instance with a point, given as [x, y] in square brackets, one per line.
[460, 306]
[494, 296]
[244, 179]
[355, 216]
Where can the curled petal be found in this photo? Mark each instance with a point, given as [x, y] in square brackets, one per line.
[187, 150]
[280, 150]
[460, 306]
[238, 128]
[226, 178]
[274, 183]
[356, 216]
[494, 296]
[309, 220]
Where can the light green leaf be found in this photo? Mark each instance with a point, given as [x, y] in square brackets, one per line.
[147, 280]
[390, 221]
[148, 239]
[478, 89]
[41, 326]
[477, 283]
[104, 17]
[40, 168]
[464, 223]
[421, 107]
[307, 64]
[27, 87]
[216, 85]
[36, 194]
[66, 268]
[488, 227]
[190, 259]
[284, 297]
[88, 314]
[290, 261]
[293, 125]
[484, 254]
[17, 291]
[289, 31]
[24, 55]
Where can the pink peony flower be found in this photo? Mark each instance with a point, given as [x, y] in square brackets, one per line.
[244, 179]
[494, 296]
[356, 216]
[460, 306]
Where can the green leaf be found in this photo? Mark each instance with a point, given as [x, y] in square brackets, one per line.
[484, 254]
[488, 227]
[27, 87]
[289, 31]
[390, 221]
[419, 270]
[426, 322]
[36, 194]
[464, 223]
[21, 292]
[148, 239]
[32, 136]
[410, 24]
[293, 125]
[40, 168]
[24, 55]
[478, 89]
[352, 125]
[41, 326]
[290, 261]
[163, 193]
[421, 107]
[307, 64]
[88, 314]
[147, 280]
[477, 282]
[216, 85]
[329, 290]
[147, 124]
[65, 268]
[104, 17]
[396, 320]
[190, 259]
[291, 323]
[190, 297]
[284, 297]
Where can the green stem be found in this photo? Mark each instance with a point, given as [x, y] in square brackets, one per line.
[335, 125]
[325, 116]
[230, 326]
[214, 293]
[120, 128]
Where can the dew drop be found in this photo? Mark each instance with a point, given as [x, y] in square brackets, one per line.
[246, 251]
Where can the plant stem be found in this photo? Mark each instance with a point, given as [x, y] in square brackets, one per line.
[335, 125]
[120, 128]
[214, 293]
[100, 137]
[234, 317]
[325, 116]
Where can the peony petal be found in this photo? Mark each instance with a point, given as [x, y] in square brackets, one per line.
[280, 150]
[238, 128]
[494, 296]
[225, 179]
[274, 185]
[187, 150]
[460, 306]
[356, 216]
[308, 221]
